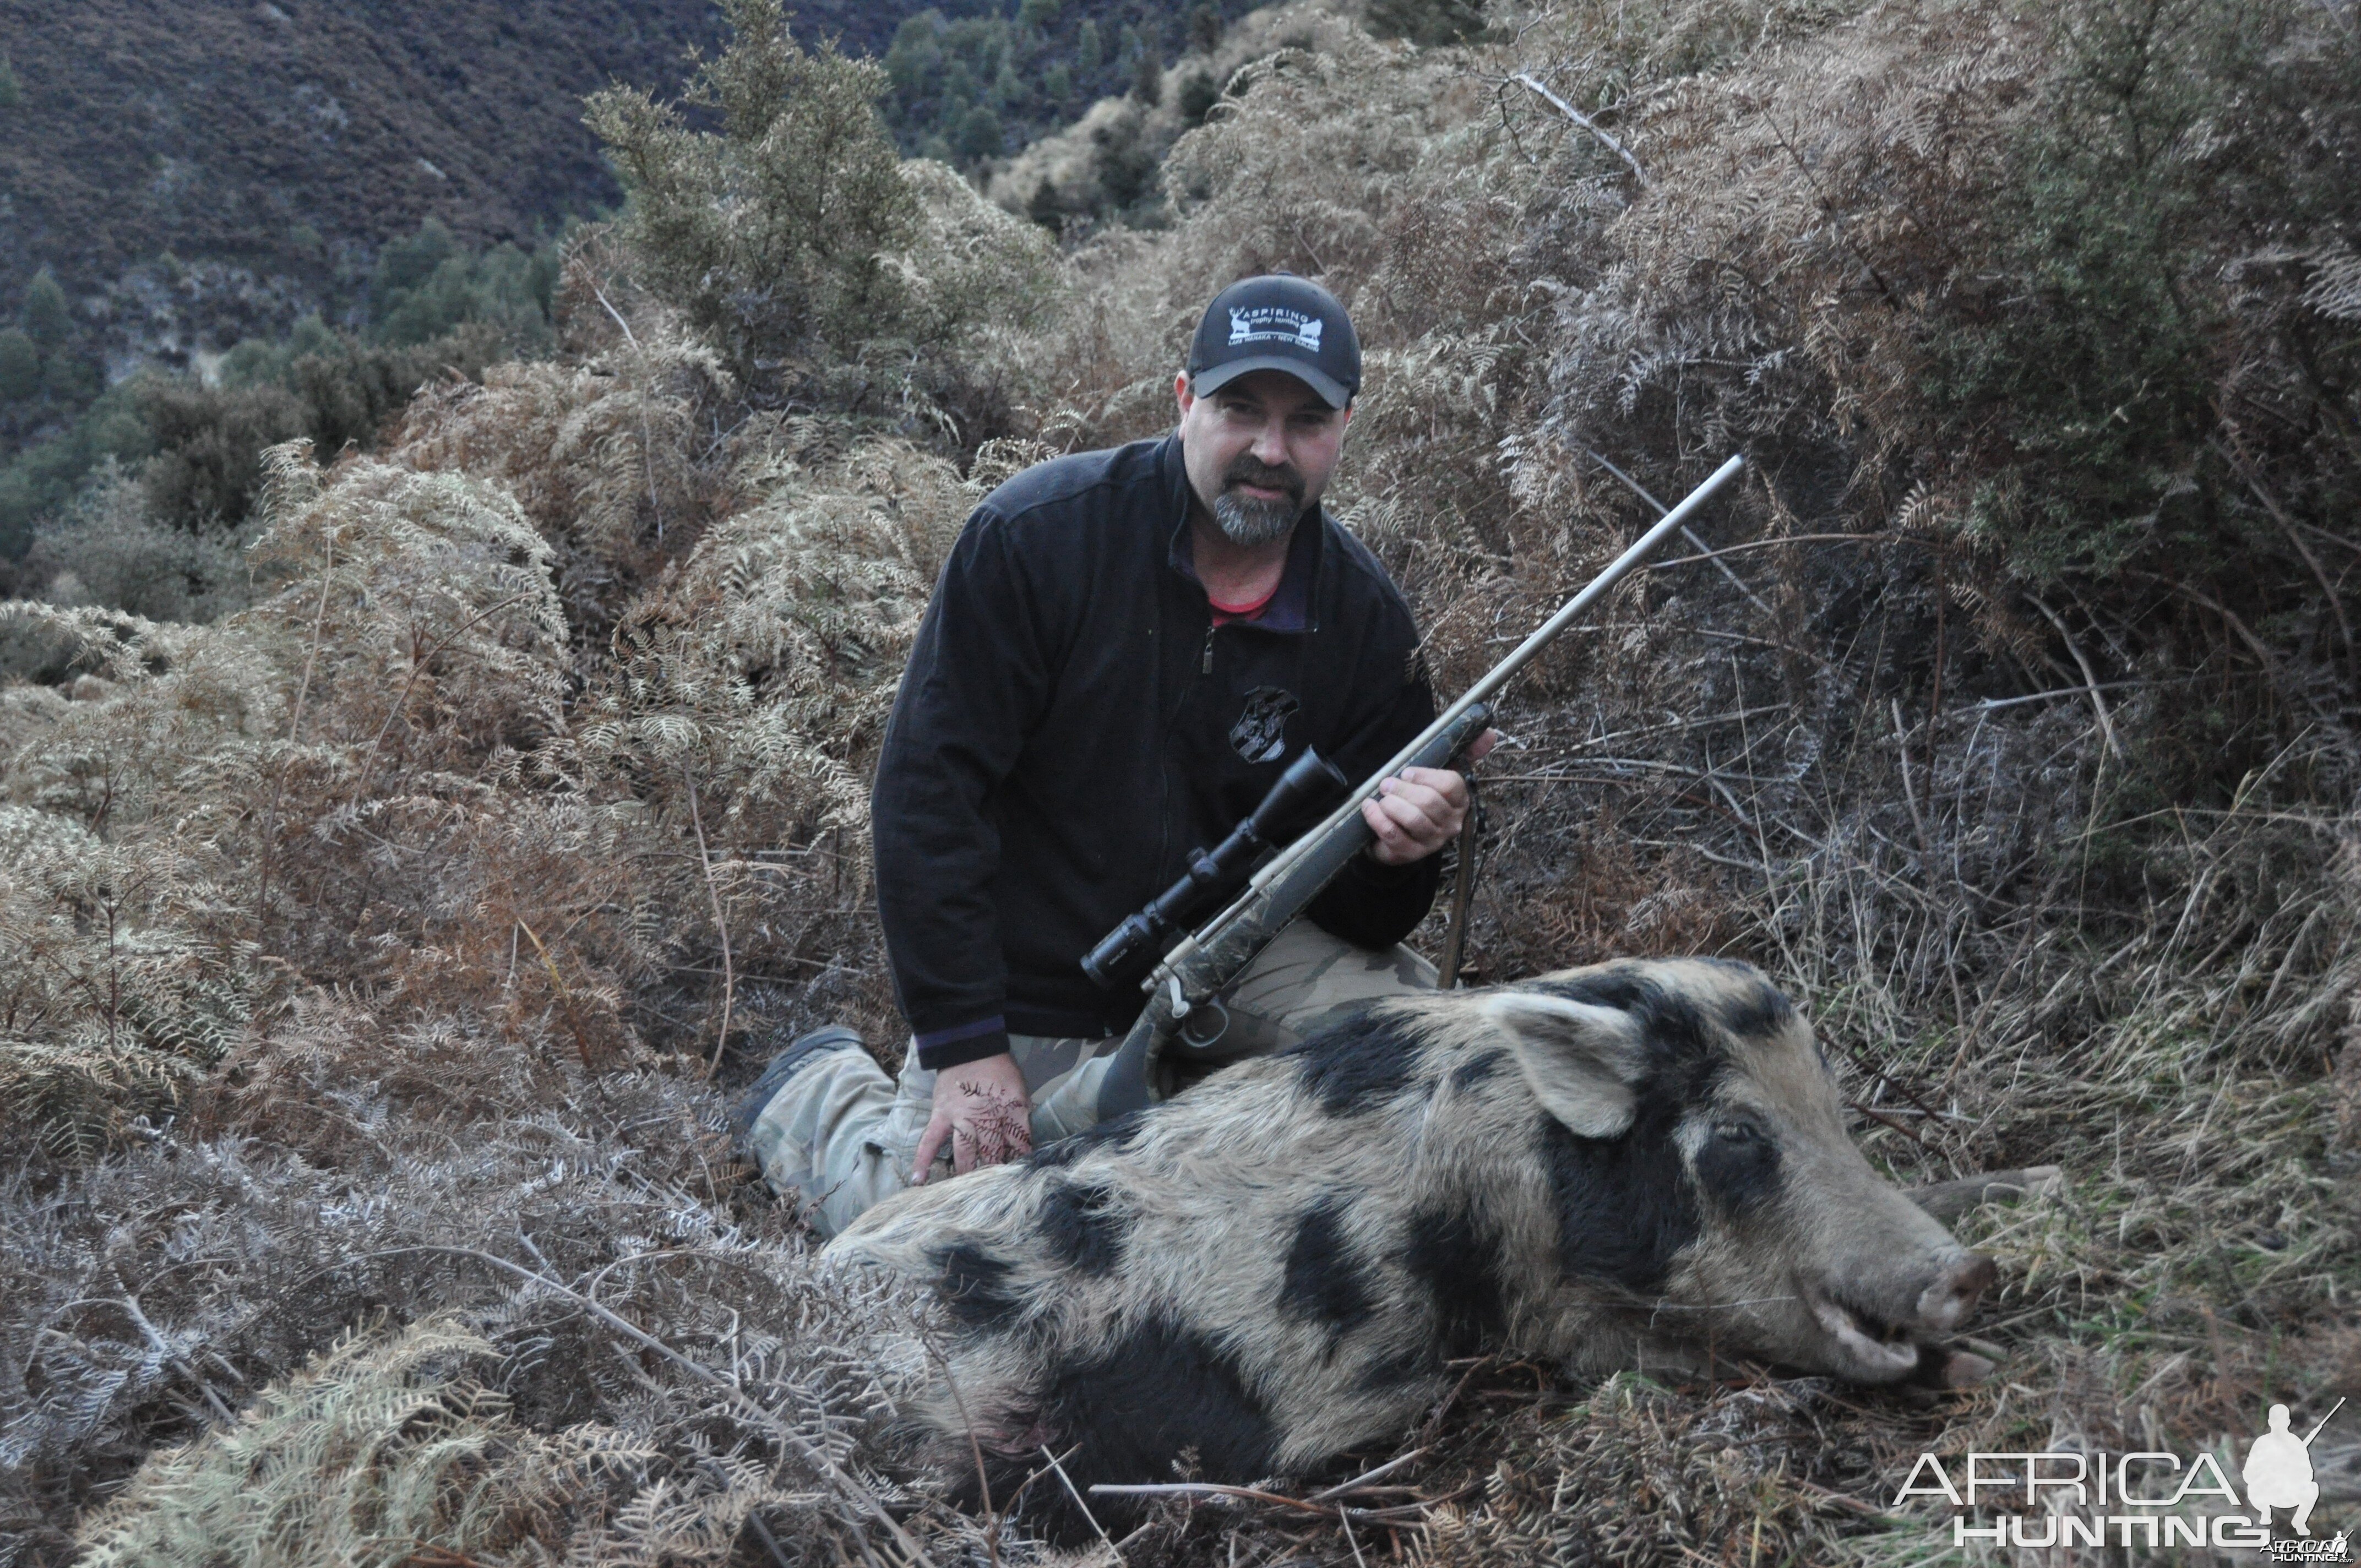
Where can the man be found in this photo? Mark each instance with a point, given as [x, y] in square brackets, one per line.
[1125, 650]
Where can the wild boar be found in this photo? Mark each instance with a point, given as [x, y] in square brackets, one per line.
[1640, 1164]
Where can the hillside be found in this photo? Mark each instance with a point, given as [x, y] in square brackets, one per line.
[384, 932]
[271, 147]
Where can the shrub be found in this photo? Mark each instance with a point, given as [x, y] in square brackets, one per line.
[46, 314]
[2091, 389]
[106, 550]
[1428, 21]
[769, 232]
[209, 440]
[20, 366]
[46, 476]
[426, 287]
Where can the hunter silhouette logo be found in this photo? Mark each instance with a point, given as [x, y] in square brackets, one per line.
[2279, 1471]
[2069, 1498]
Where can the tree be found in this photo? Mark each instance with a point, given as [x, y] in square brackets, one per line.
[1148, 78]
[979, 135]
[1205, 27]
[20, 366]
[770, 232]
[12, 91]
[1198, 92]
[1428, 21]
[48, 317]
[1036, 15]
[1090, 54]
[1044, 208]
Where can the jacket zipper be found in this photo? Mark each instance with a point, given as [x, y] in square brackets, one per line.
[1205, 666]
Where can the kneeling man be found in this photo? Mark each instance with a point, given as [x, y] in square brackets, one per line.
[1125, 650]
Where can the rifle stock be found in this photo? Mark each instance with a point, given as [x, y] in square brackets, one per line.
[1184, 984]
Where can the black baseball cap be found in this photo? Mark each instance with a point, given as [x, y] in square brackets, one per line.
[1277, 322]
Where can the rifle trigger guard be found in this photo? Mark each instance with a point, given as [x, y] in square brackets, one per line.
[1208, 1022]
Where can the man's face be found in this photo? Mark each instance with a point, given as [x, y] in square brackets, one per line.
[1258, 451]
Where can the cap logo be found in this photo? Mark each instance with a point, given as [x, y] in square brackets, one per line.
[1275, 324]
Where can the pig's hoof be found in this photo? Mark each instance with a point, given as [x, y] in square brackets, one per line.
[1964, 1369]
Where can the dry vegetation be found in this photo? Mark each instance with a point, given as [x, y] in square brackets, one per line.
[366, 950]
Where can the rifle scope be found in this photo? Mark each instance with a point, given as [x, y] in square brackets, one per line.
[1311, 782]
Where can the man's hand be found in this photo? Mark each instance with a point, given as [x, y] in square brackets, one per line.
[1420, 810]
[983, 1109]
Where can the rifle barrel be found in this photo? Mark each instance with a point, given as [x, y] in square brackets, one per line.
[1500, 674]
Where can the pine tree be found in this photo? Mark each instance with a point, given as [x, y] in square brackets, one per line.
[20, 366]
[48, 317]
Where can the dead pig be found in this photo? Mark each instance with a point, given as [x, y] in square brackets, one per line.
[1611, 1166]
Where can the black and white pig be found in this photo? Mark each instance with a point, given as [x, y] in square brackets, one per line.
[1640, 1164]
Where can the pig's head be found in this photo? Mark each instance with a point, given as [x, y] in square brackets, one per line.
[1705, 1176]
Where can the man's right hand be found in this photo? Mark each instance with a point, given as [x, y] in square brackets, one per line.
[983, 1109]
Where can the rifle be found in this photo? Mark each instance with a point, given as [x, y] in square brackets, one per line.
[1182, 1010]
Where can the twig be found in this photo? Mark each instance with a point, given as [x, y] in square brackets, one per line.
[1070, 1492]
[1426, 1434]
[1888, 1121]
[1357, 1482]
[976, 1451]
[1207, 1488]
[713, 891]
[1344, 1520]
[295, 725]
[564, 997]
[1389, 1514]
[628, 337]
[130, 1305]
[1687, 532]
[1744, 545]
[2286, 526]
[1909, 791]
[1587, 123]
[647, 438]
[2090, 678]
[319, 625]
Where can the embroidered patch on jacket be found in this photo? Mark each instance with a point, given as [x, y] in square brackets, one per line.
[1260, 733]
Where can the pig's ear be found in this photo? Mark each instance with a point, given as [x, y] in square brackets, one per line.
[1581, 1060]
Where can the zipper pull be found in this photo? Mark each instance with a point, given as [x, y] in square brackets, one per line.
[1206, 668]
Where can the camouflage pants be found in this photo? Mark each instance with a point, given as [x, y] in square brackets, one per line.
[841, 1135]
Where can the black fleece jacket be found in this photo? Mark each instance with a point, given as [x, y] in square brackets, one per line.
[1072, 724]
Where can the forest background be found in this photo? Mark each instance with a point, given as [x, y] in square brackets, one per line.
[450, 653]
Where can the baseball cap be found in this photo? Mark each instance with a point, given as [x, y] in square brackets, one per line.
[1277, 322]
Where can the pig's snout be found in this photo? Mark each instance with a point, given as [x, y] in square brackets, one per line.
[1953, 1295]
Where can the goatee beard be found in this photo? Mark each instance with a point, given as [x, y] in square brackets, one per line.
[1251, 523]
